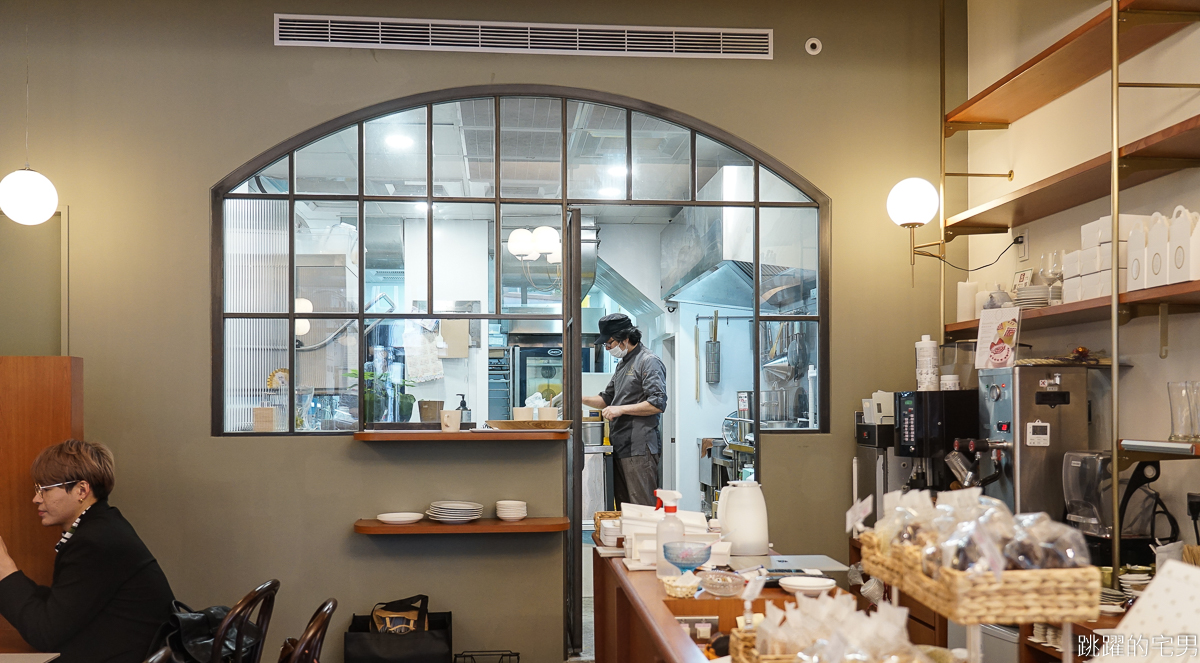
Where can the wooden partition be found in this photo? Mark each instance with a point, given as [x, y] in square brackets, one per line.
[41, 404]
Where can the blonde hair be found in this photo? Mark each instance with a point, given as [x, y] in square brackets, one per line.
[76, 460]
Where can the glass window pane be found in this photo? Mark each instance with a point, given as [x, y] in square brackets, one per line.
[531, 259]
[327, 255]
[394, 239]
[662, 159]
[773, 189]
[256, 256]
[722, 173]
[256, 364]
[789, 253]
[272, 179]
[464, 149]
[530, 147]
[329, 165]
[596, 165]
[425, 360]
[790, 374]
[326, 374]
[464, 274]
[395, 154]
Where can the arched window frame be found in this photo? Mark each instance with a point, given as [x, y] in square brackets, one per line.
[222, 192]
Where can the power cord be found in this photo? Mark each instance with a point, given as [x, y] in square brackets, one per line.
[1019, 239]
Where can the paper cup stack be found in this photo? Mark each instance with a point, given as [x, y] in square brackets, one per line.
[511, 510]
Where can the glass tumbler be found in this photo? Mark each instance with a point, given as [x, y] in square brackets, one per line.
[1194, 397]
[1179, 394]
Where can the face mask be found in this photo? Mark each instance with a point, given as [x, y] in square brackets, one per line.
[618, 351]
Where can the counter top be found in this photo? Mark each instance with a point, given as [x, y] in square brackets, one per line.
[461, 436]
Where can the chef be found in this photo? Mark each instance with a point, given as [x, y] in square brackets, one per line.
[633, 404]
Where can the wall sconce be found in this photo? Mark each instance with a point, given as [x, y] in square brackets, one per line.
[911, 204]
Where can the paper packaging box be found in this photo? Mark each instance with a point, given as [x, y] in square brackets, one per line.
[1105, 254]
[1196, 253]
[1072, 289]
[1071, 265]
[1128, 222]
[1136, 258]
[1089, 261]
[1089, 235]
[1183, 223]
[1158, 246]
[1099, 284]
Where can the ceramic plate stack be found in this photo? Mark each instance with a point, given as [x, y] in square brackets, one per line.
[511, 510]
[1032, 296]
[1056, 294]
[454, 512]
[1134, 583]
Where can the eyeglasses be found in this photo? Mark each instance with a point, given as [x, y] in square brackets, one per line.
[39, 489]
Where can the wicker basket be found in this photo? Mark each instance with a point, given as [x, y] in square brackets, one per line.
[605, 515]
[742, 649]
[1019, 597]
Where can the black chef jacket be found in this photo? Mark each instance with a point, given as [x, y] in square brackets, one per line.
[640, 376]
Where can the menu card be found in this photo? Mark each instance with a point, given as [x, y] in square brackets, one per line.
[996, 342]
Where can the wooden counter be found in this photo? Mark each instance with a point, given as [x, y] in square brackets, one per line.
[461, 436]
[635, 619]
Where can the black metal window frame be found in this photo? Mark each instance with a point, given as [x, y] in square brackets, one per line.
[222, 192]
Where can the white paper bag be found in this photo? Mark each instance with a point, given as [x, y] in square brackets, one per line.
[1183, 222]
[1158, 246]
[1136, 251]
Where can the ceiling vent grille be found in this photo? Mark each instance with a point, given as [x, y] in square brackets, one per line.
[548, 38]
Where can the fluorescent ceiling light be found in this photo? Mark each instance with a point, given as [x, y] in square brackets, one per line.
[398, 141]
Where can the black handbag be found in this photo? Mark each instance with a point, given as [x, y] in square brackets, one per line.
[189, 634]
[430, 640]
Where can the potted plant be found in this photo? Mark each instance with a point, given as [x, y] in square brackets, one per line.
[375, 397]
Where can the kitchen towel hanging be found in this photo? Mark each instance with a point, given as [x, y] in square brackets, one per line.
[712, 356]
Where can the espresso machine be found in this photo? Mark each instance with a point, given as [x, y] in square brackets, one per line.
[927, 424]
[1029, 417]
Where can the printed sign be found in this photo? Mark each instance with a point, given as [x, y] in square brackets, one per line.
[996, 342]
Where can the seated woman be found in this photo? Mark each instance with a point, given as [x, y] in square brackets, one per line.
[109, 595]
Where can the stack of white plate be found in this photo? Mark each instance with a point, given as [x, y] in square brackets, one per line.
[1032, 296]
[1056, 294]
[1134, 583]
[511, 510]
[454, 512]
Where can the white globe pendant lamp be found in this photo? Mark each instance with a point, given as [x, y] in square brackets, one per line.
[27, 196]
[912, 203]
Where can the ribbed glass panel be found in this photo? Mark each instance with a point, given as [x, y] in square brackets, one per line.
[256, 256]
[256, 381]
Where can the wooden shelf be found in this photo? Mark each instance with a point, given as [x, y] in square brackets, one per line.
[462, 436]
[1088, 310]
[1069, 63]
[482, 526]
[1083, 183]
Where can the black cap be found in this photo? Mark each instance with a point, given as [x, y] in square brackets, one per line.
[611, 324]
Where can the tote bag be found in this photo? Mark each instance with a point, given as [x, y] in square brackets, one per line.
[418, 636]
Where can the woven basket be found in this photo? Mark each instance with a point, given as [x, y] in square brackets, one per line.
[605, 515]
[1019, 597]
[891, 569]
[742, 649]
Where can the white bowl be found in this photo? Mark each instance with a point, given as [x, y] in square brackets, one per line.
[510, 503]
[813, 586]
[399, 518]
[512, 519]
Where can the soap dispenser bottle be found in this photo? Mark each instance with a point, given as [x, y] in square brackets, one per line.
[462, 406]
[669, 530]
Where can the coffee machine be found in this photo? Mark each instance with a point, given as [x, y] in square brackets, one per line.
[1029, 417]
[879, 470]
[927, 424]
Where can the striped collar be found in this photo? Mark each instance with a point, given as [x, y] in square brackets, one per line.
[70, 532]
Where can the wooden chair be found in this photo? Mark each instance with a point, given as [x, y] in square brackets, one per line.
[164, 655]
[308, 647]
[262, 599]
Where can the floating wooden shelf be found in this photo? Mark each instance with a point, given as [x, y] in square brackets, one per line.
[462, 436]
[1089, 310]
[1069, 63]
[1088, 181]
[481, 526]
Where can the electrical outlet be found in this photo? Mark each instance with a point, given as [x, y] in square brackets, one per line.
[1194, 505]
[1023, 245]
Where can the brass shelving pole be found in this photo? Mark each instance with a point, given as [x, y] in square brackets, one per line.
[1114, 321]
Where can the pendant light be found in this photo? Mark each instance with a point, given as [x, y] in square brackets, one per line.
[27, 196]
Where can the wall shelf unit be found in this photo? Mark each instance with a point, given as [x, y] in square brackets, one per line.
[372, 526]
[1161, 153]
[1183, 297]
[462, 436]
[1070, 62]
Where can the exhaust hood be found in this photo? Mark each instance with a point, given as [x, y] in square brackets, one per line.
[708, 258]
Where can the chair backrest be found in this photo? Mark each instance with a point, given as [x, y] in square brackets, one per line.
[262, 598]
[308, 647]
[164, 655]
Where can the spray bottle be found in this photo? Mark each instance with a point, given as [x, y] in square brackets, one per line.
[669, 529]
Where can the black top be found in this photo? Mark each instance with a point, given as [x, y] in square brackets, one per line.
[640, 376]
[108, 598]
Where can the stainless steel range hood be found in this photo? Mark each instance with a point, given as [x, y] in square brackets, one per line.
[708, 258]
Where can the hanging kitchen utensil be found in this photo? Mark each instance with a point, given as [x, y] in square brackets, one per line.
[696, 346]
[798, 351]
[712, 361]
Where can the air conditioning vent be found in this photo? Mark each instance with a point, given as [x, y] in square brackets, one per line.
[550, 38]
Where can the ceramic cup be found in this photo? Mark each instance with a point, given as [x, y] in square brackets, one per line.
[522, 413]
[451, 420]
[547, 413]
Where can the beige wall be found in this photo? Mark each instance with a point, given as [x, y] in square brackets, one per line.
[1068, 131]
[139, 108]
[31, 279]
